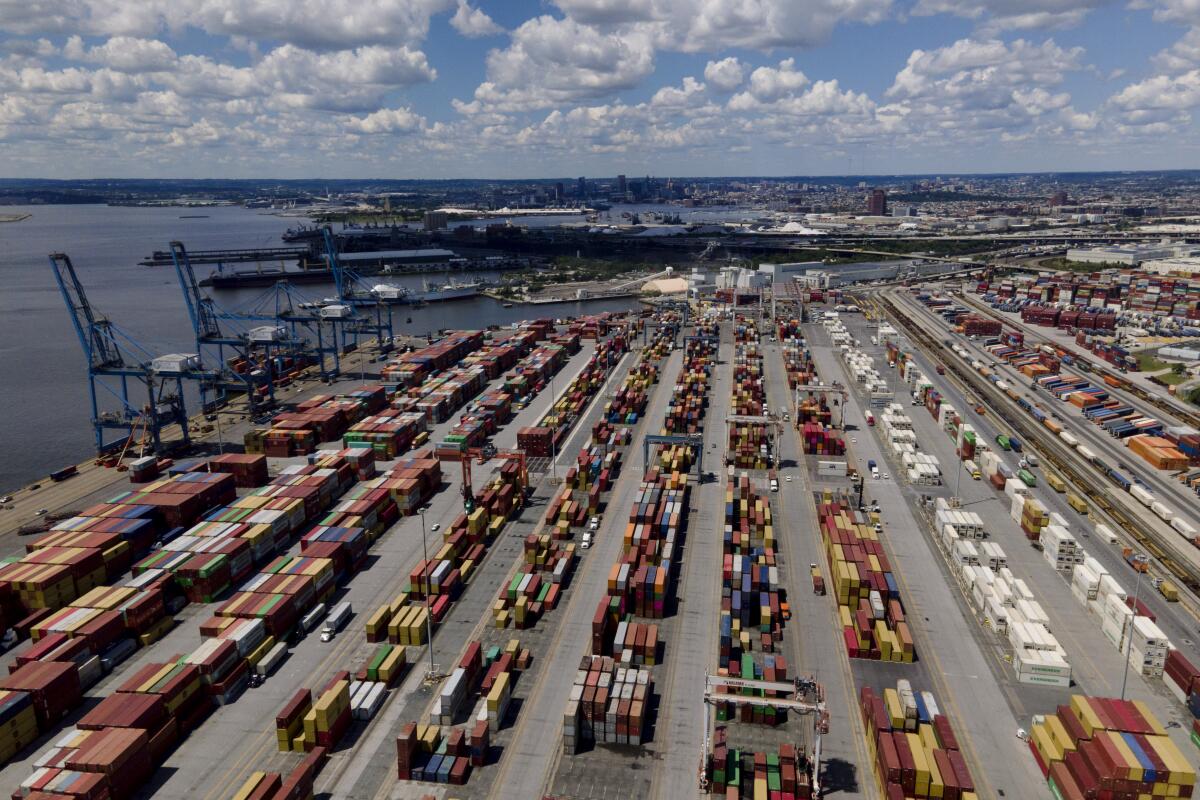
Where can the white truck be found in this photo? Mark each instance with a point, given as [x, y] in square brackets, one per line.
[336, 619]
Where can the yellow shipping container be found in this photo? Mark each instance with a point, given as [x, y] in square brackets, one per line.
[500, 689]
[1083, 712]
[891, 699]
[393, 665]
[1179, 771]
[920, 765]
[251, 783]
[257, 654]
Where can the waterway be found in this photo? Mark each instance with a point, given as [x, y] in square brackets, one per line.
[45, 424]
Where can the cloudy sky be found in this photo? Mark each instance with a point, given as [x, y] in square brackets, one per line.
[545, 88]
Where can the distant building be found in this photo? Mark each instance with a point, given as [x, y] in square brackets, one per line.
[741, 279]
[877, 203]
[779, 273]
[436, 220]
[1130, 254]
[1178, 265]
[1180, 353]
[581, 186]
[558, 192]
[622, 186]
[1058, 199]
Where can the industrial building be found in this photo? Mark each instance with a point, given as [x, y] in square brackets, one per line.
[1131, 254]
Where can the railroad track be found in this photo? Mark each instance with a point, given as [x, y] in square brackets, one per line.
[1186, 574]
[1182, 414]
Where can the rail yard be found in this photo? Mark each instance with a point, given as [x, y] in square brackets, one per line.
[699, 550]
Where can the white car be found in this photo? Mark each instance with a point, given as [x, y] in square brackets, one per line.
[587, 540]
[594, 524]
[787, 478]
[853, 440]
[887, 477]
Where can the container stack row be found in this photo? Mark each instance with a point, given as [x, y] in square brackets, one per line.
[689, 398]
[754, 606]
[1098, 747]
[609, 704]
[869, 605]
[472, 705]
[913, 748]
[739, 773]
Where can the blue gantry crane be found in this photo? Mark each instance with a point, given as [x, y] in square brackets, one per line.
[257, 345]
[114, 361]
[354, 291]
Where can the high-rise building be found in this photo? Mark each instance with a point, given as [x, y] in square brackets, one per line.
[622, 187]
[436, 220]
[581, 186]
[1058, 199]
[558, 192]
[877, 203]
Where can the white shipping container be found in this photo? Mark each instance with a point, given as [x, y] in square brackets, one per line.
[1162, 511]
[1142, 495]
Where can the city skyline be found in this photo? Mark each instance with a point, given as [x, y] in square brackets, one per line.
[437, 88]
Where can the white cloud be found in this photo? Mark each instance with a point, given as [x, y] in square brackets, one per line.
[1162, 93]
[349, 80]
[672, 97]
[725, 75]
[124, 53]
[705, 25]
[473, 22]
[553, 61]
[1003, 15]
[1183, 11]
[315, 24]
[981, 68]
[1181, 56]
[771, 83]
[387, 120]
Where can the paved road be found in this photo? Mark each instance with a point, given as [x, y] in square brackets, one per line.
[528, 765]
[691, 650]
[1097, 667]
[959, 671]
[815, 631]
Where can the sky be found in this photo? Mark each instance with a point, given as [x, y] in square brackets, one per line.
[563, 88]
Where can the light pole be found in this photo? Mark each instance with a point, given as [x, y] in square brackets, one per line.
[428, 617]
[958, 478]
[553, 449]
[1139, 562]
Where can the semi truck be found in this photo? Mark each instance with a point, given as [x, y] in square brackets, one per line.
[336, 619]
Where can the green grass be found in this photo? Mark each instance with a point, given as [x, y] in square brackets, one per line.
[1149, 363]
[1063, 264]
[1170, 378]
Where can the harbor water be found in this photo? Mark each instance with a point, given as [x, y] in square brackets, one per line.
[45, 424]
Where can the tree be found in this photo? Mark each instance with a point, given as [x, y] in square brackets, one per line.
[1178, 368]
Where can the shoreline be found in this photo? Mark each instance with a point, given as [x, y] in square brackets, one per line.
[14, 217]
